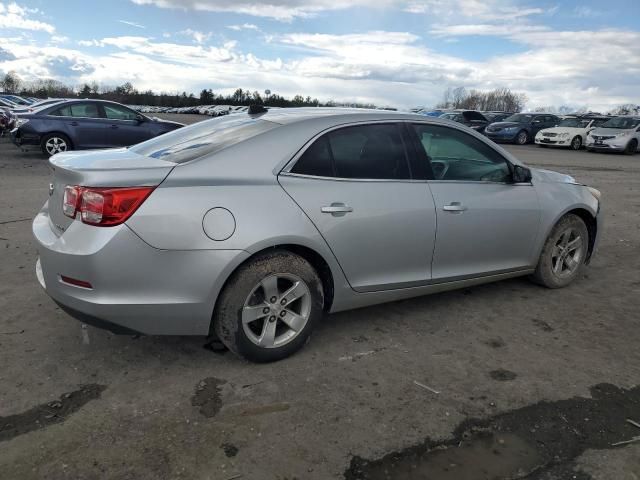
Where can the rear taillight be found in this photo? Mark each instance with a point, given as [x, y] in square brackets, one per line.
[103, 207]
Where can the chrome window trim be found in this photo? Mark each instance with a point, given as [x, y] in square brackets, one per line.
[342, 179]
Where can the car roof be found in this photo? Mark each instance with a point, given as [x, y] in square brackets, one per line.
[337, 115]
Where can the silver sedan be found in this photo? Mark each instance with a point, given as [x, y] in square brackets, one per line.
[250, 227]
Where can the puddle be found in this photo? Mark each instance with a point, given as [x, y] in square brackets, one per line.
[536, 442]
[42, 416]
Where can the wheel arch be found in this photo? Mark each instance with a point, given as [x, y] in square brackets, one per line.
[317, 261]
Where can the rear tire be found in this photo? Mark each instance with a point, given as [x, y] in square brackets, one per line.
[269, 307]
[563, 254]
[53, 143]
[632, 147]
[522, 138]
[576, 143]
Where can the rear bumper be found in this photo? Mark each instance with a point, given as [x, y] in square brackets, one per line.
[135, 287]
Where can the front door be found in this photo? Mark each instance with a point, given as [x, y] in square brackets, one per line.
[124, 127]
[486, 224]
[355, 185]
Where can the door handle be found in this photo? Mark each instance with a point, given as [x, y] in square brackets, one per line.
[74, 124]
[337, 209]
[455, 207]
[114, 126]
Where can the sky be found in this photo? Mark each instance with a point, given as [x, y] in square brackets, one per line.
[402, 53]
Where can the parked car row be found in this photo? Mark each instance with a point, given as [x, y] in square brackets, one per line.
[211, 110]
[594, 131]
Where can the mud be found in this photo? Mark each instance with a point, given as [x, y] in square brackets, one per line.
[537, 442]
[42, 416]
[208, 396]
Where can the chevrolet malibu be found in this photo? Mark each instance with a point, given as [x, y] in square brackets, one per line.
[249, 227]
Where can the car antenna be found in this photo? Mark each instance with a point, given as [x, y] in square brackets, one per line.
[256, 109]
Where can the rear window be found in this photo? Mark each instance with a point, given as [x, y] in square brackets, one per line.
[202, 138]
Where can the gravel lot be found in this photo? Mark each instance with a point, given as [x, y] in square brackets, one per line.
[553, 374]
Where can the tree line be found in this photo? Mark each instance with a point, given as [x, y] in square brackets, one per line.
[500, 99]
[128, 94]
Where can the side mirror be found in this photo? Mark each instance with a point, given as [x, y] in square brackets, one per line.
[141, 118]
[521, 174]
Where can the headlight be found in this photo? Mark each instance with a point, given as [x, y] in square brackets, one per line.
[564, 135]
[595, 192]
[21, 121]
[623, 134]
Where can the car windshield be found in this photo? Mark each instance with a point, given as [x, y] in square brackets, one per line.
[624, 123]
[203, 138]
[574, 122]
[519, 118]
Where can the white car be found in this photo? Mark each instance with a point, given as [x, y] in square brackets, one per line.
[619, 134]
[570, 132]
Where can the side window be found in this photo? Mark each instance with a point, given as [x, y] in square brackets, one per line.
[456, 155]
[115, 112]
[364, 152]
[80, 110]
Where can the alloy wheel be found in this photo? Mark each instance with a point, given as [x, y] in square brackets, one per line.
[522, 138]
[576, 143]
[55, 145]
[276, 310]
[566, 255]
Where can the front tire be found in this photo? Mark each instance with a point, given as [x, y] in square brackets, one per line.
[563, 254]
[576, 143]
[53, 143]
[522, 138]
[632, 147]
[269, 307]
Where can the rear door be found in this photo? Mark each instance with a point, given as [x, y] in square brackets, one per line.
[486, 224]
[84, 124]
[124, 127]
[355, 185]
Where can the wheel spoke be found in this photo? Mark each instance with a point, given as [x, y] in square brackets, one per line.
[557, 267]
[253, 313]
[296, 291]
[294, 321]
[270, 287]
[574, 244]
[268, 335]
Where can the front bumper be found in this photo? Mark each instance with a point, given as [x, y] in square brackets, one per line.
[135, 287]
[502, 135]
[21, 139]
[606, 146]
[553, 141]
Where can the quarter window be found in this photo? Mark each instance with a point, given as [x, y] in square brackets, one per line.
[80, 110]
[364, 152]
[456, 155]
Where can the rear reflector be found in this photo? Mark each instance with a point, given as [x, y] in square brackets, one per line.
[103, 207]
[75, 282]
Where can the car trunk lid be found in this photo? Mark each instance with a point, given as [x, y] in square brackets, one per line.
[100, 168]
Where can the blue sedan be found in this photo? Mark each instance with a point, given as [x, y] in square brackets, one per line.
[86, 124]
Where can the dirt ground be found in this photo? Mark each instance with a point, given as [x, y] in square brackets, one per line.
[502, 380]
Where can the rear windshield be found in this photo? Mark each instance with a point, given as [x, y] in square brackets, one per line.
[202, 138]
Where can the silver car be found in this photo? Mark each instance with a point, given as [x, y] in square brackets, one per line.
[249, 227]
[618, 134]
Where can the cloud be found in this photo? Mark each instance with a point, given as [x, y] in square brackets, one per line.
[198, 37]
[244, 26]
[132, 24]
[13, 16]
